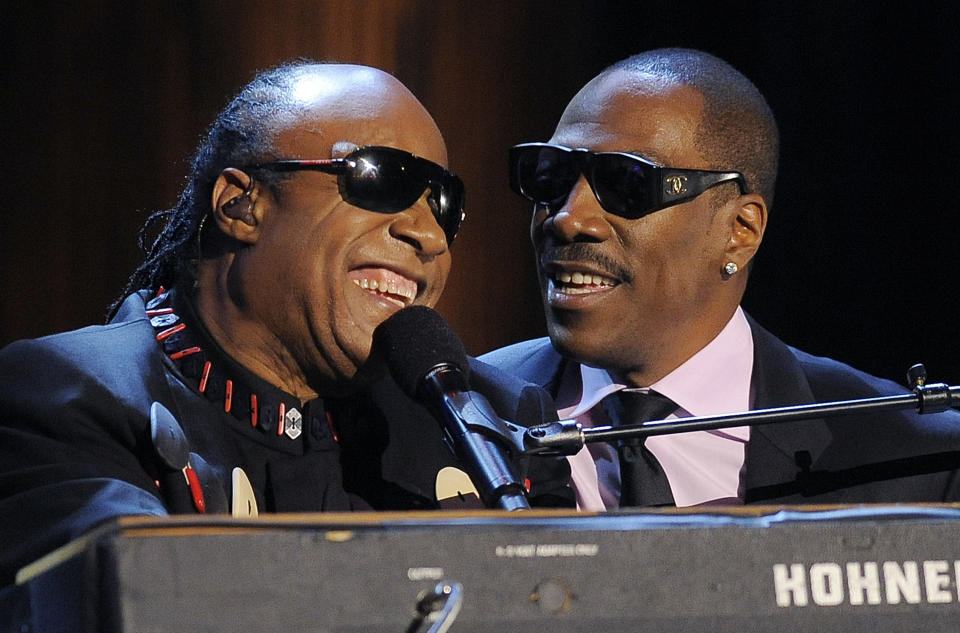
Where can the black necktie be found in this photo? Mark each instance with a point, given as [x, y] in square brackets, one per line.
[642, 480]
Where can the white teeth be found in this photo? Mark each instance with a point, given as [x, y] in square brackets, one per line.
[583, 279]
[386, 288]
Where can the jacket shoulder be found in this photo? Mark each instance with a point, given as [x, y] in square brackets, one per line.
[534, 361]
[831, 378]
[107, 361]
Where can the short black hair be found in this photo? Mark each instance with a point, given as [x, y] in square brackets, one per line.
[738, 130]
[242, 134]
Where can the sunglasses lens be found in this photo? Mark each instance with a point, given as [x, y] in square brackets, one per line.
[389, 180]
[622, 185]
[382, 181]
[448, 208]
[543, 174]
[546, 174]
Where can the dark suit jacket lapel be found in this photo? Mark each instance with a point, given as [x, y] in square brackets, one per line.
[778, 453]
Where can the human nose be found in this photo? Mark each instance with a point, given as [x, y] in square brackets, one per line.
[418, 227]
[580, 219]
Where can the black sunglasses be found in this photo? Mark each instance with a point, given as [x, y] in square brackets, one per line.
[624, 184]
[389, 180]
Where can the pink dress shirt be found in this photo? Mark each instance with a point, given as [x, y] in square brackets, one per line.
[701, 466]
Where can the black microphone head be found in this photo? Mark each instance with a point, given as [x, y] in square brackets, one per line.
[413, 342]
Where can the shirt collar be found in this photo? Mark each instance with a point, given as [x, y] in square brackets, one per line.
[259, 409]
[715, 380]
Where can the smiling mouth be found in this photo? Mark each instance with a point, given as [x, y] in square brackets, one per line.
[385, 284]
[578, 283]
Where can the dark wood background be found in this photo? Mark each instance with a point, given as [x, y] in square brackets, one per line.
[105, 101]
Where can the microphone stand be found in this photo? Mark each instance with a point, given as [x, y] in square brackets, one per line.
[567, 437]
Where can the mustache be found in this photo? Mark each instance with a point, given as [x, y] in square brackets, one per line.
[584, 253]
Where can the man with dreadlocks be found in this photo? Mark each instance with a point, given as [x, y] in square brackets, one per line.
[317, 206]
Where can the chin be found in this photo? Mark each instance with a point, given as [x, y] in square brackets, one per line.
[587, 347]
[575, 346]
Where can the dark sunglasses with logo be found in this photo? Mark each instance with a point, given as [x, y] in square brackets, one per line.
[624, 184]
[389, 180]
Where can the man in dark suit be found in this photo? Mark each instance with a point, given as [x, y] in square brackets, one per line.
[650, 201]
[234, 375]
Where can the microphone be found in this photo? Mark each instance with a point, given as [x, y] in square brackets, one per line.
[428, 361]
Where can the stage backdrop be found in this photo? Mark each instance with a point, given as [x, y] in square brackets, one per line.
[106, 100]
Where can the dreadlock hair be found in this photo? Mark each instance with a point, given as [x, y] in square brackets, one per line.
[243, 133]
[737, 130]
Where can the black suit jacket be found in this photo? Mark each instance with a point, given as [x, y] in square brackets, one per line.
[75, 446]
[897, 456]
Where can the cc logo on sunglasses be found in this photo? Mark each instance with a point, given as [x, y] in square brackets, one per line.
[675, 185]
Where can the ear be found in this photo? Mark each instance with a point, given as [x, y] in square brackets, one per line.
[747, 226]
[235, 207]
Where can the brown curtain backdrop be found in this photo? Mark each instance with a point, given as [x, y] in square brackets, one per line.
[105, 101]
[111, 98]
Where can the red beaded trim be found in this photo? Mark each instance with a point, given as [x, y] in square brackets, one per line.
[196, 490]
[332, 426]
[204, 377]
[228, 398]
[171, 331]
[207, 371]
[185, 352]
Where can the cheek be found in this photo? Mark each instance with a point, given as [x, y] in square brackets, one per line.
[439, 271]
[658, 259]
[687, 267]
